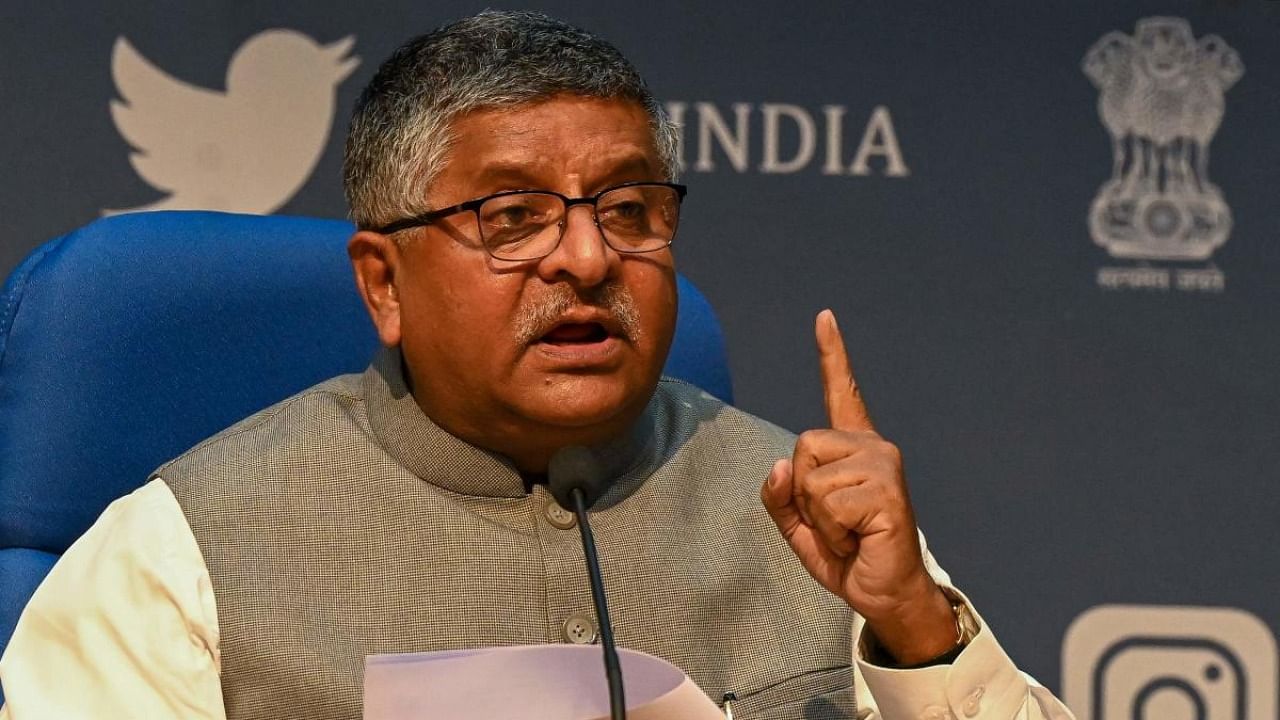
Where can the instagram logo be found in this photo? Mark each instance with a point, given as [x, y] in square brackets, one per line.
[1143, 662]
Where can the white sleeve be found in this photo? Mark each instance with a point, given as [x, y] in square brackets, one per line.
[124, 625]
[982, 684]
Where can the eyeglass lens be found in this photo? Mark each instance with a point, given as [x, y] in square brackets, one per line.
[528, 225]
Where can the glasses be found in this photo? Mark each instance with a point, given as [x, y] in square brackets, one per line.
[636, 217]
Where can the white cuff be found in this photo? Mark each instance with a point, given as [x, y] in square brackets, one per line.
[982, 683]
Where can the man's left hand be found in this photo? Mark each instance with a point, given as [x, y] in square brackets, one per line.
[841, 502]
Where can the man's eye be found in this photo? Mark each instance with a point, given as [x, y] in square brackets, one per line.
[513, 216]
[514, 212]
[624, 212]
[630, 210]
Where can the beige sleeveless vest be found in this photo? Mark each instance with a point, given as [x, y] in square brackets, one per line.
[342, 522]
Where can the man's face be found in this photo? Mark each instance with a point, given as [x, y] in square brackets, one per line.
[525, 357]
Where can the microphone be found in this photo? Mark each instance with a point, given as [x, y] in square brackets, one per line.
[576, 481]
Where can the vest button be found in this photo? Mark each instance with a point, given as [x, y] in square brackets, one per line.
[558, 516]
[579, 630]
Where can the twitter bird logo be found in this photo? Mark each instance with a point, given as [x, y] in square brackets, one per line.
[248, 149]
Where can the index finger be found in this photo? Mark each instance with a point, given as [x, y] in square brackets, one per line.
[840, 390]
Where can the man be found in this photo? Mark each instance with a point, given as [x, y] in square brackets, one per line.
[511, 179]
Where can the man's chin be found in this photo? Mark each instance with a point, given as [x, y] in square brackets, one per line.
[602, 405]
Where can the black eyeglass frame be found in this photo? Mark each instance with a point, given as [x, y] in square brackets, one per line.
[430, 217]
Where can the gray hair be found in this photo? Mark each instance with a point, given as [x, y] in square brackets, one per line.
[400, 129]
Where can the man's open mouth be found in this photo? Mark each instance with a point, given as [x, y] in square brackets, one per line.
[576, 334]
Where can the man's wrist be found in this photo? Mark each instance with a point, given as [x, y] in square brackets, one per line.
[963, 625]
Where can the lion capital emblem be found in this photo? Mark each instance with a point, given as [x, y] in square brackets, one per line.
[1161, 97]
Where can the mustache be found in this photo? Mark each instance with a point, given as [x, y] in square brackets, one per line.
[535, 320]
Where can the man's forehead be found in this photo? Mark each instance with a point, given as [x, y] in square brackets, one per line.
[581, 136]
[632, 166]
[560, 115]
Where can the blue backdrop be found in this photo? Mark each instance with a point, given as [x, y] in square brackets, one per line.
[1049, 230]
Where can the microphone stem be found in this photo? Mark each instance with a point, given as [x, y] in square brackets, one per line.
[612, 668]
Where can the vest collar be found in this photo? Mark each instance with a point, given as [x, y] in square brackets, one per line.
[448, 462]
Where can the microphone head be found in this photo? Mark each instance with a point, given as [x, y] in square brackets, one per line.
[574, 466]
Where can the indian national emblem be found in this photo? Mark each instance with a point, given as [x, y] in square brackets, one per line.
[1161, 99]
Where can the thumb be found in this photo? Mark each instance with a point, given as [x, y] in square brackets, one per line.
[777, 498]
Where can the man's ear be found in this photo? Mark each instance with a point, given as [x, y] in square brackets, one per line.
[375, 258]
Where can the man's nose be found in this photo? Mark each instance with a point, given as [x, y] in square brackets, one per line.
[582, 258]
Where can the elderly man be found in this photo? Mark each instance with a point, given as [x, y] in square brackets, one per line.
[511, 179]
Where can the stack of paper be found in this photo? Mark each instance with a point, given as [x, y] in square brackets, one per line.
[526, 682]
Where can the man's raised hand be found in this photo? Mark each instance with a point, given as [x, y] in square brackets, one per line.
[841, 502]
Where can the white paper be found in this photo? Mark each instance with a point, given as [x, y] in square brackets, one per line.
[526, 682]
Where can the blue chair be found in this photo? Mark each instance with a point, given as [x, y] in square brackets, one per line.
[124, 343]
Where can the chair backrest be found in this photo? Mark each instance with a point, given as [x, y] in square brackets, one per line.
[124, 343]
